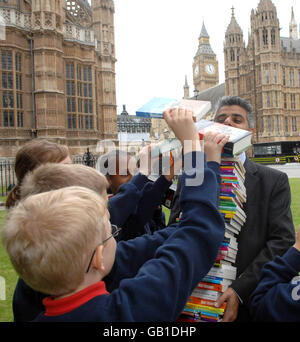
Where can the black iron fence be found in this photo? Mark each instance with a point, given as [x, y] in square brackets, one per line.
[7, 176]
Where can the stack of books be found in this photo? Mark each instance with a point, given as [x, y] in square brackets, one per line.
[200, 306]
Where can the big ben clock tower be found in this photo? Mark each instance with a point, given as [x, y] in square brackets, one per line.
[205, 66]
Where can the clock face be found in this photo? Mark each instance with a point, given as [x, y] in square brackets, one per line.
[210, 69]
[196, 70]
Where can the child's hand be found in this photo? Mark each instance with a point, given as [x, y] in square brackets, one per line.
[297, 244]
[181, 122]
[213, 145]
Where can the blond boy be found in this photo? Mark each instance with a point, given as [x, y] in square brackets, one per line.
[27, 302]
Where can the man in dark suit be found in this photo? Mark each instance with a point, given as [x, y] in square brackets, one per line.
[268, 230]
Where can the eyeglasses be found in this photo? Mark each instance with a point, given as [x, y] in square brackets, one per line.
[114, 232]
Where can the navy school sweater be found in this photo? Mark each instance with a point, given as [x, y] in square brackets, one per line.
[142, 218]
[153, 275]
[277, 296]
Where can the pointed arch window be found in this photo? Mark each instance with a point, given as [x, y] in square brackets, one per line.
[286, 124]
[293, 101]
[294, 123]
[265, 36]
[267, 78]
[262, 125]
[233, 87]
[276, 99]
[275, 74]
[284, 101]
[269, 124]
[273, 37]
[277, 124]
[283, 76]
[232, 55]
[268, 99]
[292, 78]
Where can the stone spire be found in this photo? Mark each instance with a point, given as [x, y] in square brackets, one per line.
[203, 32]
[293, 26]
[204, 43]
[233, 27]
[266, 5]
[186, 89]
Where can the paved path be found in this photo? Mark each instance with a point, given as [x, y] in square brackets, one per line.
[291, 169]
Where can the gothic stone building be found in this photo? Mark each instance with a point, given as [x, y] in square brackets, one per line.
[57, 73]
[266, 72]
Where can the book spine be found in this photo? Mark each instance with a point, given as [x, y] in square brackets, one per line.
[211, 286]
[205, 294]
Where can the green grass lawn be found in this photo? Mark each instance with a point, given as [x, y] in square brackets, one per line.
[10, 276]
[295, 206]
[7, 272]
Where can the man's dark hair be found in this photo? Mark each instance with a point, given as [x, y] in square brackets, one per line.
[236, 101]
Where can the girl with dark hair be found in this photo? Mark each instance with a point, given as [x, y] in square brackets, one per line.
[30, 156]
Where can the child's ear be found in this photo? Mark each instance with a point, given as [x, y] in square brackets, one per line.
[98, 259]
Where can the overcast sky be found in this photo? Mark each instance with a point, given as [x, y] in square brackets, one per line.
[156, 41]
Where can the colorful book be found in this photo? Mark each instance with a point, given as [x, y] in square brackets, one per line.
[211, 286]
[157, 105]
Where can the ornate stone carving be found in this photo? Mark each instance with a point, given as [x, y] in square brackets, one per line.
[48, 19]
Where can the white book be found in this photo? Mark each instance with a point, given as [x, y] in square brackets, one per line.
[231, 229]
[230, 235]
[206, 294]
[225, 271]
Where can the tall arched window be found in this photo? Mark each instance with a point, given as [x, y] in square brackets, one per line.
[273, 37]
[79, 89]
[265, 36]
[232, 55]
[11, 89]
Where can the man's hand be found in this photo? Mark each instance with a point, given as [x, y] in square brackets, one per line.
[232, 305]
